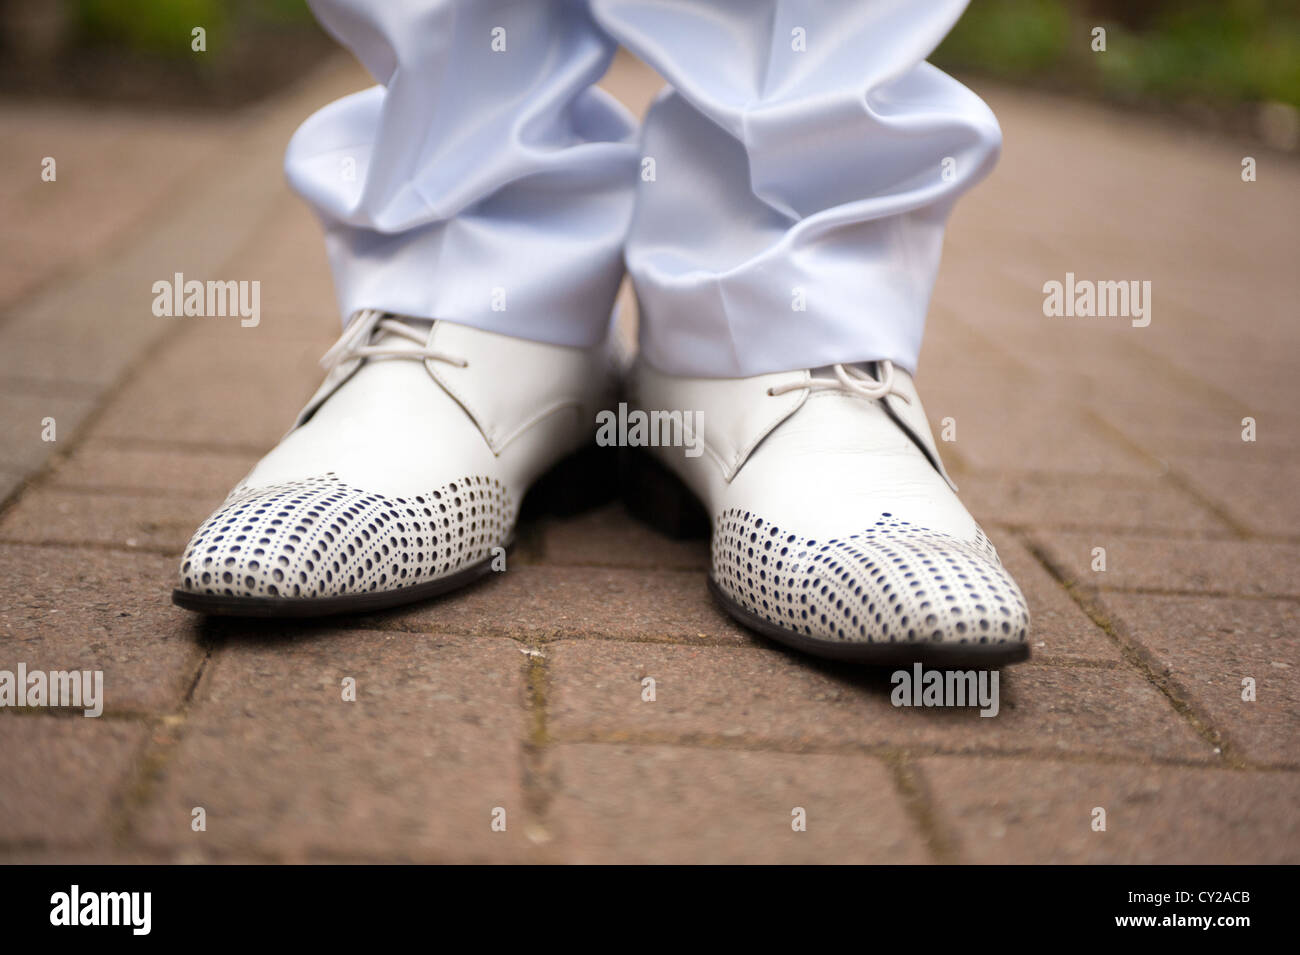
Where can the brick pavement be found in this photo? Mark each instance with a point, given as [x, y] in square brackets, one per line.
[524, 694]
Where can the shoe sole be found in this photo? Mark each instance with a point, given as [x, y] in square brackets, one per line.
[584, 479]
[978, 656]
[221, 606]
[657, 496]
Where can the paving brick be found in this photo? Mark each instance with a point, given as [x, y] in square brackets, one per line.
[22, 269]
[288, 259]
[63, 776]
[956, 354]
[610, 537]
[772, 697]
[221, 390]
[1014, 811]
[1249, 281]
[88, 351]
[10, 481]
[659, 804]
[1059, 629]
[412, 769]
[88, 328]
[550, 602]
[1036, 363]
[22, 417]
[1205, 434]
[1263, 380]
[1025, 429]
[1086, 503]
[1259, 495]
[151, 521]
[1153, 563]
[86, 609]
[182, 473]
[112, 167]
[1207, 646]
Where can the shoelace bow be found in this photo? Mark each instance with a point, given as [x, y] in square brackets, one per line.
[850, 380]
[355, 341]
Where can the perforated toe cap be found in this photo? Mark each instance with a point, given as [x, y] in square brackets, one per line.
[891, 583]
[321, 538]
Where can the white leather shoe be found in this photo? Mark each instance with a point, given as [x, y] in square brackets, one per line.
[401, 476]
[835, 528]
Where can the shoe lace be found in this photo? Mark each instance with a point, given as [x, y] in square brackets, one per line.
[851, 380]
[355, 341]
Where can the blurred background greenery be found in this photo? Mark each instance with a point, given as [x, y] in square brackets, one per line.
[1202, 56]
[143, 50]
[154, 25]
[1225, 51]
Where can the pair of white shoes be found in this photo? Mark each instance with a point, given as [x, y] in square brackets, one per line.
[834, 526]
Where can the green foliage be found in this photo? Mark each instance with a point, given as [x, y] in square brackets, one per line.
[163, 26]
[281, 11]
[1210, 50]
[1015, 39]
[1226, 50]
[1170, 50]
[154, 26]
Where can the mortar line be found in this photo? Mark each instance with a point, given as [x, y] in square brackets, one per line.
[1170, 473]
[716, 741]
[914, 793]
[537, 792]
[148, 768]
[1142, 661]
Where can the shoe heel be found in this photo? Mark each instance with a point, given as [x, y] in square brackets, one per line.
[584, 480]
[656, 496]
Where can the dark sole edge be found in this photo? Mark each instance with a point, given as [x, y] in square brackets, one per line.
[963, 655]
[222, 606]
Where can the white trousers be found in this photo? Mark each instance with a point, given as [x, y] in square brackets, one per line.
[782, 206]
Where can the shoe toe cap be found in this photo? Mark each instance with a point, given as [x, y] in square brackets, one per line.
[319, 537]
[892, 583]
